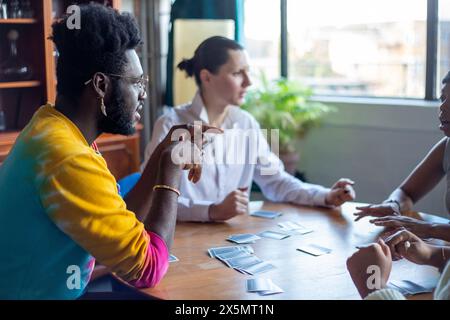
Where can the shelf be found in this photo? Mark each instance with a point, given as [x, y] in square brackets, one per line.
[18, 21]
[19, 84]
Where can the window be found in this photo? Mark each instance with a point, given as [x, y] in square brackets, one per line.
[371, 48]
[354, 47]
[262, 36]
[443, 43]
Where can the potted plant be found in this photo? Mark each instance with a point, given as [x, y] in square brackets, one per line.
[285, 105]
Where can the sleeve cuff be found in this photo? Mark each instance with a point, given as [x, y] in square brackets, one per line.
[156, 262]
[320, 196]
[385, 294]
[189, 210]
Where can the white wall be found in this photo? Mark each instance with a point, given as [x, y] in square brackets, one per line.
[376, 144]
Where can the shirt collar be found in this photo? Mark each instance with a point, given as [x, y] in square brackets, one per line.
[198, 108]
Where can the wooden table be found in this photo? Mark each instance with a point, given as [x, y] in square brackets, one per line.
[301, 276]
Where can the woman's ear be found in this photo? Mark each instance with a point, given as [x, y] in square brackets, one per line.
[100, 83]
[205, 76]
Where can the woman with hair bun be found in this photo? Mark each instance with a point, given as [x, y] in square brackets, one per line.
[221, 71]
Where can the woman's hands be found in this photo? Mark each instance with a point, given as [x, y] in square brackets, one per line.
[401, 244]
[420, 228]
[361, 266]
[377, 210]
[405, 244]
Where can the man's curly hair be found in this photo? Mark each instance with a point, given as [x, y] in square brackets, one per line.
[98, 46]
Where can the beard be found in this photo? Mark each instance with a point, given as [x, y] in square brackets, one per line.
[119, 119]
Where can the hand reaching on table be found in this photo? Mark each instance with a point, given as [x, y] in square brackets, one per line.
[420, 228]
[341, 192]
[235, 203]
[377, 210]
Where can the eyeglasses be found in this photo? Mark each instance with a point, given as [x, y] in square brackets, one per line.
[140, 82]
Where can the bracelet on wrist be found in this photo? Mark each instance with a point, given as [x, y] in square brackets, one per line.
[396, 202]
[166, 187]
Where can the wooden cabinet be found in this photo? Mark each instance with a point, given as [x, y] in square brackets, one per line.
[20, 99]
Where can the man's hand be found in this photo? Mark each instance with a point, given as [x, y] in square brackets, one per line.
[234, 204]
[341, 192]
[185, 134]
[358, 264]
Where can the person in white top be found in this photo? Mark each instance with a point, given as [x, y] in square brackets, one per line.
[242, 154]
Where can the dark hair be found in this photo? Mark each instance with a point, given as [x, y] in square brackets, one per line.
[446, 78]
[99, 45]
[211, 54]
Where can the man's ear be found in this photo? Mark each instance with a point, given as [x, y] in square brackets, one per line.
[100, 83]
[205, 76]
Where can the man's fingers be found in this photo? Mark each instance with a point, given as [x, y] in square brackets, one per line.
[242, 200]
[350, 192]
[341, 183]
[347, 196]
[241, 209]
[192, 127]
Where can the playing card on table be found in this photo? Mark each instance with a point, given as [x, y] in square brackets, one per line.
[314, 249]
[263, 286]
[232, 254]
[242, 262]
[274, 289]
[258, 284]
[221, 250]
[265, 214]
[257, 268]
[273, 235]
[243, 238]
[294, 227]
[172, 258]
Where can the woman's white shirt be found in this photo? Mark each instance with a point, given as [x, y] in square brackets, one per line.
[232, 161]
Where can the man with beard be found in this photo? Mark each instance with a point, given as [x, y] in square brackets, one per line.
[60, 210]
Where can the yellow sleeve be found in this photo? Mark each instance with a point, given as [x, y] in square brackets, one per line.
[80, 196]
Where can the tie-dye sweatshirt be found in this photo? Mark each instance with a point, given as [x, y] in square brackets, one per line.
[60, 211]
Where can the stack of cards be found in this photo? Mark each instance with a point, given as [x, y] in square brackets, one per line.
[243, 238]
[245, 263]
[273, 235]
[241, 258]
[263, 286]
[294, 227]
[407, 287]
[314, 249]
[230, 250]
[265, 214]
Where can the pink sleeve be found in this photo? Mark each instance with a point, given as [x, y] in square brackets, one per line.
[156, 262]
